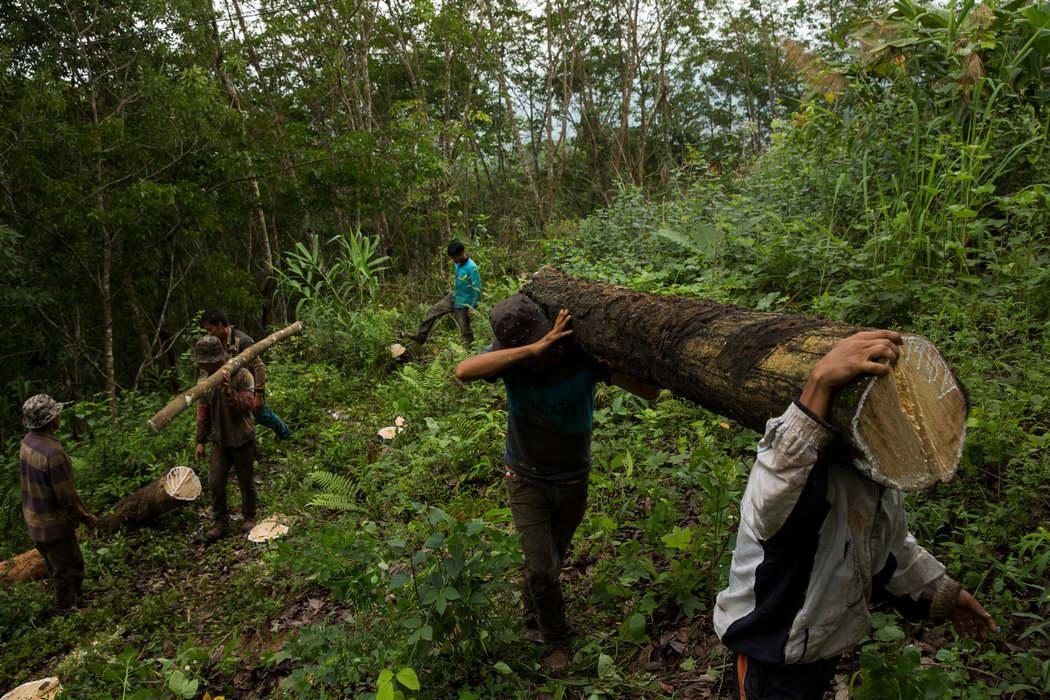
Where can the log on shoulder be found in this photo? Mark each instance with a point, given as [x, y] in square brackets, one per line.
[180, 403]
[179, 486]
[906, 428]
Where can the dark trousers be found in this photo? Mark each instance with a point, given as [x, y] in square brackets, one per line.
[443, 308]
[546, 516]
[65, 566]
[241, 459]
[757, 680]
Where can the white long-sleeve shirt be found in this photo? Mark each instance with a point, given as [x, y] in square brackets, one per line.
[817, 543]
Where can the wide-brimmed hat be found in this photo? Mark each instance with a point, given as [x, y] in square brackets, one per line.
[38, 411]
[518, 321]
[209, 350]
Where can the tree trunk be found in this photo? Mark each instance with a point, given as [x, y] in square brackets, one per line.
[907, 428]
[178, 486]
[180, 403]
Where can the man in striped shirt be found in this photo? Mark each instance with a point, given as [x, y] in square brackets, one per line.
[50, 503]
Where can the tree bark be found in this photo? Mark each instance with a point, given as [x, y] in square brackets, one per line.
[180, 403]
[180, 485]
[906, 429]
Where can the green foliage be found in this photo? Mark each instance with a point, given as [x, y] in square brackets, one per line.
[346, 272]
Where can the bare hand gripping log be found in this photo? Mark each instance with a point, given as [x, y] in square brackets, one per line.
[183, 401]
[907, 428]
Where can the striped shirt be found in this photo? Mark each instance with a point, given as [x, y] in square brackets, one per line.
[50, 503]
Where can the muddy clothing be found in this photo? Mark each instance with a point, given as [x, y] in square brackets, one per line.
[226, 416]
[241, 460]
[236, 343]
[549, 417]
[50, 503]
[443, 308]
[65, 567]
[755, 680]
[546, 517]
[817, 543]
[467, 289]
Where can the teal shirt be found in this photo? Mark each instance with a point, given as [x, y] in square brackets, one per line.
[468, 286]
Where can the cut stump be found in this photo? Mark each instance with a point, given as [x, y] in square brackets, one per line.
[907, 428]
[44, 689]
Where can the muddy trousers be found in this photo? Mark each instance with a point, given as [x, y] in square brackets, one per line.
[241, 460]
[546, 516]
[757, 680]
[65, 566]
[443, 308]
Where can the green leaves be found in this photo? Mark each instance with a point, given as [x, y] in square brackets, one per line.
[388, 685]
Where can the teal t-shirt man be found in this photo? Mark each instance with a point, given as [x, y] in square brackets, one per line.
[550, 407]
[466, 291]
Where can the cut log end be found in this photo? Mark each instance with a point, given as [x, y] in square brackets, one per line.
[910, 425]
[182, 484]
[44, 689]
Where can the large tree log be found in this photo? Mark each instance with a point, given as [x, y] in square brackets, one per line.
[907, 428]
[180, 403]
[177, 487]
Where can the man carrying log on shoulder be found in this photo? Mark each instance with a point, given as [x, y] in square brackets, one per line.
[225, 416]
[235, 340]
[550, 403]
[818, 542]
[50, 502]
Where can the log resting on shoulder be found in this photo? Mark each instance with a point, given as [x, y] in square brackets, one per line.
[906, 428]
[183, 401]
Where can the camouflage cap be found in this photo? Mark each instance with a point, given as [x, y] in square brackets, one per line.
[209, 350]
[38, 411]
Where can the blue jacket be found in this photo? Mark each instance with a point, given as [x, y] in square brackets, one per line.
[468, 286]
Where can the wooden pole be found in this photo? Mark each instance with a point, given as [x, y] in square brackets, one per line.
[906, 428]
[183, 401]
[179, 486]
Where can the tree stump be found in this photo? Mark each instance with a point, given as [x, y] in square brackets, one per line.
[907, 428]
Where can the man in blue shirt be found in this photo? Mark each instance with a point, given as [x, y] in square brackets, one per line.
[550, 404]
[461, 302]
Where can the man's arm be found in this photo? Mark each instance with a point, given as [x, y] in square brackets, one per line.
[65, 490]
[475, 287]
[496, 362]
[635, 386]
[793, 442]
[240, 390]
[915, 583]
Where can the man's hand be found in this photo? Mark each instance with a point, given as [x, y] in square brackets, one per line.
[971, 619]
[260, 400]
[867, 352]
[91, 521]
[201, 452]
[560, 330]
